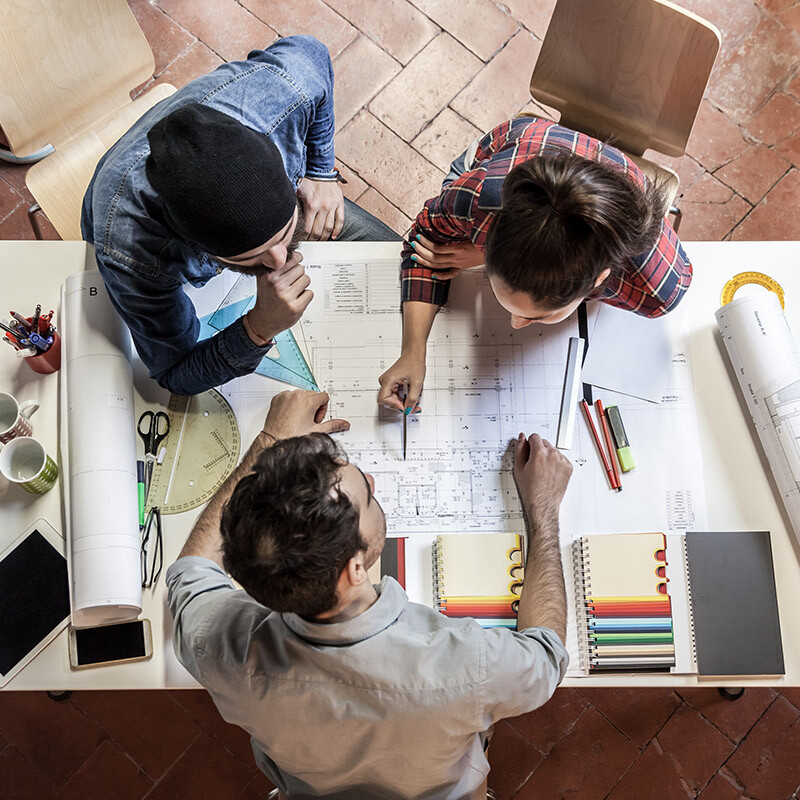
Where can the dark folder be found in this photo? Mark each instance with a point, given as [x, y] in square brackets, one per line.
[734, 604]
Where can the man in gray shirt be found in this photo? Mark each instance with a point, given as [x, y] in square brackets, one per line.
[350, 690]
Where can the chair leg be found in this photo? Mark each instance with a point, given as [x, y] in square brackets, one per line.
[37, 231]
[678, 216]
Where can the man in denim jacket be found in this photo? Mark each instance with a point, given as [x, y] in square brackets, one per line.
[211, 178]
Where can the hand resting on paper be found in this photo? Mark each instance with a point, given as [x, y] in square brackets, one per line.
[542, 473]
[299, 412]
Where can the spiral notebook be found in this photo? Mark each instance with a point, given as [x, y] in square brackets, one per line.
[624, 611]
[480, 576]
[700, 603]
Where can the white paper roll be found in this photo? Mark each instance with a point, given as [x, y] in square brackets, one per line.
[102, 525]
[765, 359]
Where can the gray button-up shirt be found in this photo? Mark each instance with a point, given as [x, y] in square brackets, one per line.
[393, 703]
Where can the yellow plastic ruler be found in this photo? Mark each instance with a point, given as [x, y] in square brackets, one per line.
[743, 278]
[202, 447]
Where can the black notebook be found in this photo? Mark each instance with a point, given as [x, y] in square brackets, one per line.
[734, 604]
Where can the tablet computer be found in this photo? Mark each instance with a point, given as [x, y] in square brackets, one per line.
[34, 596]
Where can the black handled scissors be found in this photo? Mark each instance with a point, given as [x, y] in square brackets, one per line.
[156, 430]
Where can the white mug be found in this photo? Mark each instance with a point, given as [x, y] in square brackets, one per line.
[25, 462]
[15, 417]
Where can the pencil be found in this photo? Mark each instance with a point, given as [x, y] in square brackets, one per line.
[405, 419]
[601, 413]
[588, 417]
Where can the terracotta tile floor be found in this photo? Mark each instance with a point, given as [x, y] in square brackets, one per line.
[416, 81]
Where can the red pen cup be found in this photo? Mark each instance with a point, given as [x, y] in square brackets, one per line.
[49, 361]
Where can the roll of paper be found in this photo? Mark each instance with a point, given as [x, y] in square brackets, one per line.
[99, 456]
[765, 359]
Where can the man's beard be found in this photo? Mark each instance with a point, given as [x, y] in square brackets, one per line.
[298, 236]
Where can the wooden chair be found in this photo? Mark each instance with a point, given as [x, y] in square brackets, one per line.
[629, 71]
[67, 70]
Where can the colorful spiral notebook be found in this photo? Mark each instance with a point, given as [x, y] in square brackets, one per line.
[624, 609]
[683, 603]
[479, 576]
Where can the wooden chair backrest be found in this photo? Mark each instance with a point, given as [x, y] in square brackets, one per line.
[59, 181]
[65, 65]
[632, 71]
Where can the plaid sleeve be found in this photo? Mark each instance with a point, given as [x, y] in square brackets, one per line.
[656, 281]
[445, 218]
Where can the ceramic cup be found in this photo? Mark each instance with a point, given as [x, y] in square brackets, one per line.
[15, 417]
[24, 461]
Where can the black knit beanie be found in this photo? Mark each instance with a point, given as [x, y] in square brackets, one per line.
[223, 185]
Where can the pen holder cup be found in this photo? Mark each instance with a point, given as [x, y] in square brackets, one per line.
[50, 360]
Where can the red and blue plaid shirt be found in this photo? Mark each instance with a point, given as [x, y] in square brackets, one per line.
[651, 285]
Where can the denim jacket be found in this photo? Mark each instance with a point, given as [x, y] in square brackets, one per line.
[285, 91]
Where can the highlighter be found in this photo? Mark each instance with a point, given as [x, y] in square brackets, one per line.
[140, 487]
[620, 439]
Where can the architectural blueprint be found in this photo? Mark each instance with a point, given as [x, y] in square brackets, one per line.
[486, 383]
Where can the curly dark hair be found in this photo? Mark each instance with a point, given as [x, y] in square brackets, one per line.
[288, 530]
[566, 218]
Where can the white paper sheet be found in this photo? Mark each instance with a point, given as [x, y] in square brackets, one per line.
[631, 354]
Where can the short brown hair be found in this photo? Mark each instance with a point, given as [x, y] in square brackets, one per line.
[288, 529]
[564, 219]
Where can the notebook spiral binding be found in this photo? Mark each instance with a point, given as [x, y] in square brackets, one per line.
[692, 640]
[437, 566]
[582, 584]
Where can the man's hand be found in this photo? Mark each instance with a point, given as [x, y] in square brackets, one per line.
[282, 296]
[406, 370]
[323, 204]
[542, 474]
[447, 259]
[300, 412]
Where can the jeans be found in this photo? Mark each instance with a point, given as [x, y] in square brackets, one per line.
[361, 226]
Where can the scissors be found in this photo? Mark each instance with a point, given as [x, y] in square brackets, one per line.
[153, 429]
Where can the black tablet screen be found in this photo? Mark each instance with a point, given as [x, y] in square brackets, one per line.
[34, 597]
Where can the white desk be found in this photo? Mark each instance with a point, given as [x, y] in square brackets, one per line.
[739, 493]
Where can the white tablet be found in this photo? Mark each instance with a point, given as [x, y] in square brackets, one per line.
[34, 596]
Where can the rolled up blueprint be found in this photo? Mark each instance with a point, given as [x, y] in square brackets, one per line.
[99, 456]
[765, 359]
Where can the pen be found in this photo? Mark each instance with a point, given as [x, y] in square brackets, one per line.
[36, 315]
[601, 413]
[140, 488]
[5, 327]
[22, 321]
[588, 416]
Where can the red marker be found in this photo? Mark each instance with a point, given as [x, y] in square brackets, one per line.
[588, 416]
[601, 413]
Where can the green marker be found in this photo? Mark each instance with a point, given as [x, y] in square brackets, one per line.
[140, 487]
[620, 438]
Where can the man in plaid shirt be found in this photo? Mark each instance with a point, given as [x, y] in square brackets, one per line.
[561, 217]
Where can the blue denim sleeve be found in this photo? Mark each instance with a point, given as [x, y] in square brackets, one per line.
[164, 327]
[307, 63]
